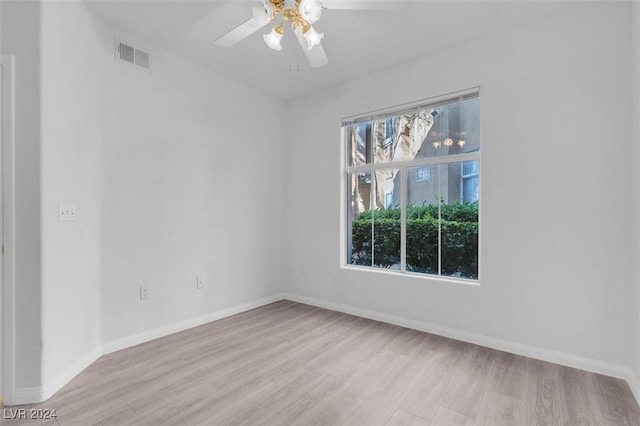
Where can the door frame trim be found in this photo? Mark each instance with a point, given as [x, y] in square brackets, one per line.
[8, 204]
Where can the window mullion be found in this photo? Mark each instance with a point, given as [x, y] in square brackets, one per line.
[439, 219]
[372, 207]
[403, 219]
[472, 156]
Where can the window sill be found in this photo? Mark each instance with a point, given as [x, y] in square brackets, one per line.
[397, 273]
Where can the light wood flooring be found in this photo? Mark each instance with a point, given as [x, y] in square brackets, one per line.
[288, 363]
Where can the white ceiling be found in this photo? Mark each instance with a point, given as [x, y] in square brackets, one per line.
[356, 41]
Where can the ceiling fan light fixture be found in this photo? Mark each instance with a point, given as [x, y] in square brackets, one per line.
[274, 37]
[310, 10]
[313, 38]
[269, 10]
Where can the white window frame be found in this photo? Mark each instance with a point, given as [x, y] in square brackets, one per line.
[403, 167]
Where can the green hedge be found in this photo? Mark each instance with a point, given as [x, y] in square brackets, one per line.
[459, 239]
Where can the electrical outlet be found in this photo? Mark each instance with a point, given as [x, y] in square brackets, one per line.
[66, 212]
[144, 293]
[200, 282]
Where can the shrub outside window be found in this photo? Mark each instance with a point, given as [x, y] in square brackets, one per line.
[412, 180]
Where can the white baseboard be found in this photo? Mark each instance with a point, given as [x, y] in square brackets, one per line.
[23, 396]
[145, 336]
[634, 384]
[594, 366]
[34, 395]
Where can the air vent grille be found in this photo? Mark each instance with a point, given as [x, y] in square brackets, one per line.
[142, 59]
[127, 53]
[131, 55]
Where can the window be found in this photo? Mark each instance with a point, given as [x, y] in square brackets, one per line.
[423, 173]
[389, 200]
[470, 181]
[388, 132]
[412, 180]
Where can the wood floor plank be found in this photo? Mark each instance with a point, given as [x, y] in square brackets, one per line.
[275, 399]
[446, 417]
[317, 413]
[370, 413]
[617, 410]
[468, 386]
[402, 418]
[408, 342]
[355, 391]
[291, 404]
[431, 388]
[543, 404]
[379, 339]
[499, 410]
[579, 398]
[395, 389]
[294, 364]
[507, 375]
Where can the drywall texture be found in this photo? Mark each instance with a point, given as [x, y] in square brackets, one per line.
[71, 107]
[20, 27]
[555, 207]
[192, 186]
[635, 299]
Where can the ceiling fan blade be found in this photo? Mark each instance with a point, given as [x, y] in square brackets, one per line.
[239, 33]
[316, 56]
[261, 17]
[260, 13]
[362, 4]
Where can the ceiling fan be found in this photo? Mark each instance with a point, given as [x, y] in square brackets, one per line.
[300, 15]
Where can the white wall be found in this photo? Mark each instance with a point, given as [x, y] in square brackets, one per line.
[20, 27]
[635, 299]
[2, 338]
[175, 173]
[555, 186]
[72, 133]
[192, 185]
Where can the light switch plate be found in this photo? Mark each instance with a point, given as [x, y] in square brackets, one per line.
[67, 212]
